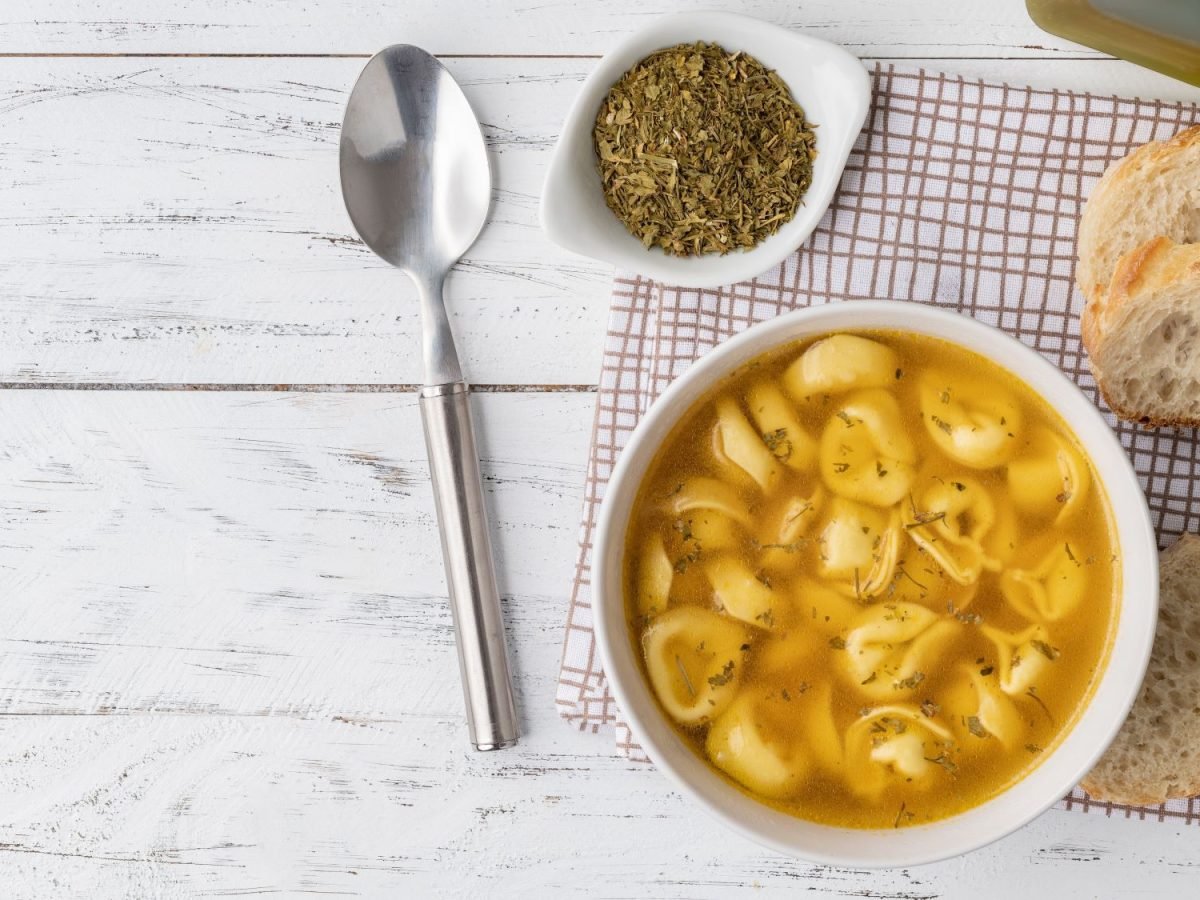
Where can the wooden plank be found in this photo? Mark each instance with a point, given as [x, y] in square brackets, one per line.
[910, 27]
[264, 554]
[163, 805]
[190, 229]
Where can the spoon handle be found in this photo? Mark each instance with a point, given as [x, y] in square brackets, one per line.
[470, 572]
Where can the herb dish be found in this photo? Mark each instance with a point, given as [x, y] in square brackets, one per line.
[826, 83]
[894, 601]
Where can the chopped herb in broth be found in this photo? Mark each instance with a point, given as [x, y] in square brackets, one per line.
[880, 593]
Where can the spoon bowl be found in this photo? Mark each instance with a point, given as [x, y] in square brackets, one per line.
[414, 165]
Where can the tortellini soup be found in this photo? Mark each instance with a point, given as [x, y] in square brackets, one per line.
[871, 578]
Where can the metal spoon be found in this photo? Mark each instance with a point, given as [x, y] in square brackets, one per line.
[417, 185]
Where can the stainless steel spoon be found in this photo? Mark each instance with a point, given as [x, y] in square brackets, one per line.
[416, 183]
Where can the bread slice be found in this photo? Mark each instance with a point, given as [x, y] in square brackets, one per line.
[1153, 191]
[1143, 335]
[1156, 756]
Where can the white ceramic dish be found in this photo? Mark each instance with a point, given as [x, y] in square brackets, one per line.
[830, 84]
[1058, 772]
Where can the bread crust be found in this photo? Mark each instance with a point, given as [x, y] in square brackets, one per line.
[1143, 271]
[1100, 783]
[1111, 193]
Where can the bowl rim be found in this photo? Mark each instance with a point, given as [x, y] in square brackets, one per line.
[836, 139]
[1131, 641]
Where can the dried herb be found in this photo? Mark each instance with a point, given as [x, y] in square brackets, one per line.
[721, 679]
[903, 817]
[840, 467]
[967, 618]
[1033, 695]
[925, 518]
[702, 151]
[901, 571]
[686, 680]
[910, 682]
[944, 761]
[1051, 653]
[976, 727]
[837, 643]
[684, 527]
[806, 508]
[779, 444]
[786, 548]
[929, 708]
[681, 564]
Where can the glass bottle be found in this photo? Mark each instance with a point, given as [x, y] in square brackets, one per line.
[1160, 34]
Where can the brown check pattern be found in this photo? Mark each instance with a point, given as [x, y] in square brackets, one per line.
[958, 193]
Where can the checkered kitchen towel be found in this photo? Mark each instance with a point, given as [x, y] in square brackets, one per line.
[958, 193]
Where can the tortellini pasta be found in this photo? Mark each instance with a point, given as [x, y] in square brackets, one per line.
[823, 609]
[1049, 590]
[742, 593]
[710, 494]
[744, 745]
[781, 431]
[694, 660]
[788, 531]
[951, 521]
[918, 578]
[858, 547]
[824, 738]
[897, 743]
[655, 572]
[738, 445]
[975, 423]
[981, 710]
[1022, 658]
[891, 647]
[1051, 481]
[840, 363]
[754, 741]
[866, 455]
[709, 512]
[711, 531]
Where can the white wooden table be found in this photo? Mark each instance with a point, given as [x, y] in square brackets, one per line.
[226, 664]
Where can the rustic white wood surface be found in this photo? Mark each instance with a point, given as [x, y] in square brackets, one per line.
[226, 667]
